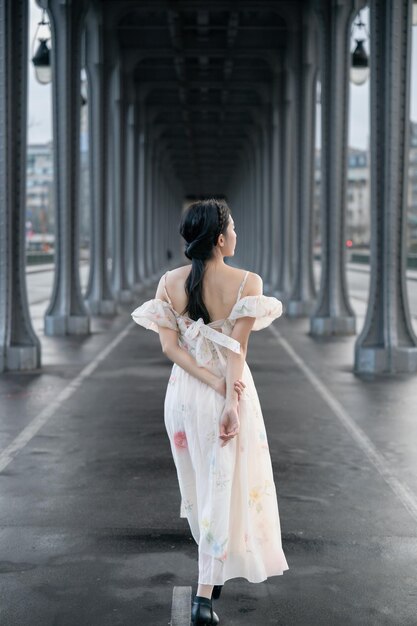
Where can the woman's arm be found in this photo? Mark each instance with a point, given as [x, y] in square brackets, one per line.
[185, 360]
[229, 421]
[178, 355]
[241, 331]
[236, 361]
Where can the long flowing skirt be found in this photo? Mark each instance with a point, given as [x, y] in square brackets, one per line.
[228, 494]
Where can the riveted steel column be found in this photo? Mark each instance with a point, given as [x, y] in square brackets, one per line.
[99, 297]
[155, 207]
[135, 192]
[302, 297]
[249, 225]
[287, 188]
[276, 208]
[142, 190]
[129, 181]
[251, 216]
[148, 204]
[67, 313]
[163, 207]
[333, 314]
[387, 342]
[254, 213]
[152, 204]
[259, 201]
[20, 347]
[266, 196]
[120, 283]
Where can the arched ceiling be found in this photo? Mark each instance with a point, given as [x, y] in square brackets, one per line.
[207, 70]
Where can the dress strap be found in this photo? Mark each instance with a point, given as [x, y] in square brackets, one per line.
[242, 284]
[165, 288]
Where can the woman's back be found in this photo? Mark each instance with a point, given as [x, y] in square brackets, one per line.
[220, 288]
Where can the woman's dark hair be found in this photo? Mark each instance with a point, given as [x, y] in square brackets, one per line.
[201, 225]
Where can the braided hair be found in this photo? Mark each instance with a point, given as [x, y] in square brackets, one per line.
[201, 225]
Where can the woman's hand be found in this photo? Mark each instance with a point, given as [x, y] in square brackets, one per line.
[229, 424]
[220, 387]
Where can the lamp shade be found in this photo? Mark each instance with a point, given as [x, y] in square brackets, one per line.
[42, 63]
[359, 70]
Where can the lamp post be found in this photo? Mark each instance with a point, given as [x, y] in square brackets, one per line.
[41, 59]
[359, 70]
[84, 93]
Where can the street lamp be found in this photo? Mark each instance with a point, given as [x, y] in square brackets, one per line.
[318, 92]
[359, 70]
[41, 59]
[84, 94]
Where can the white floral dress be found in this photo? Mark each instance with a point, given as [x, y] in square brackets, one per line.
[228, 493]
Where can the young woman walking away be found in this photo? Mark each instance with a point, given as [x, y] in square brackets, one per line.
[204, 313]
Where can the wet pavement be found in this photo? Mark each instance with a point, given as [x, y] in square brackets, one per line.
[90, 533]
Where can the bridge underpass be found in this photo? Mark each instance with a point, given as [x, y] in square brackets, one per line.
[90, 532]
[190, 99]
[187, 100]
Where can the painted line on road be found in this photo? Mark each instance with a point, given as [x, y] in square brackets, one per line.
[19, 442]
[181, 606]
[400, 489]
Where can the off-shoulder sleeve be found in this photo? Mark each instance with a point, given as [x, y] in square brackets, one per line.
[264, 308]
[155, 313]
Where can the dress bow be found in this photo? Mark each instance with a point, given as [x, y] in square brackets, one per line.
[205, 334]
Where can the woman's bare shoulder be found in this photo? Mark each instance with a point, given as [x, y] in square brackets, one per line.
[178, 273]
[176, 277]
[253, 284]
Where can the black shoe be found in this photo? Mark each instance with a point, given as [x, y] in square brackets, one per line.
[217, 589]
[202, 613]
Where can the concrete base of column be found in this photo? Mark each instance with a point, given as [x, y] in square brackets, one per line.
[385, 360]
[325, 326]
[66, 325]
[298, 308]
[101, 307]
[22, 358]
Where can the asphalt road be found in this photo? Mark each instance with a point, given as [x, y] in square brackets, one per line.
[90, 533]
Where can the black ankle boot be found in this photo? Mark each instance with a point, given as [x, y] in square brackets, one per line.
[202, 613]
[217, 589]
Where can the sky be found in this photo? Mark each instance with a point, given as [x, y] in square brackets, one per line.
[40, 105]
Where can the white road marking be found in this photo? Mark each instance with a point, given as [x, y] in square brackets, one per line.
[19, 442]
[400, 489]
[181, 606]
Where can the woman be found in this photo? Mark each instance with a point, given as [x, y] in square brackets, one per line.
[204, 315]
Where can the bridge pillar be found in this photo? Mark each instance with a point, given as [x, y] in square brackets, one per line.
[130, 178]
[286, 141]
[276, 207]
[67, 313]
[387, 342]
[99, 297]
[141, 233]
[20, 347]
[302, 297]
[333, 314]
[266, 133]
